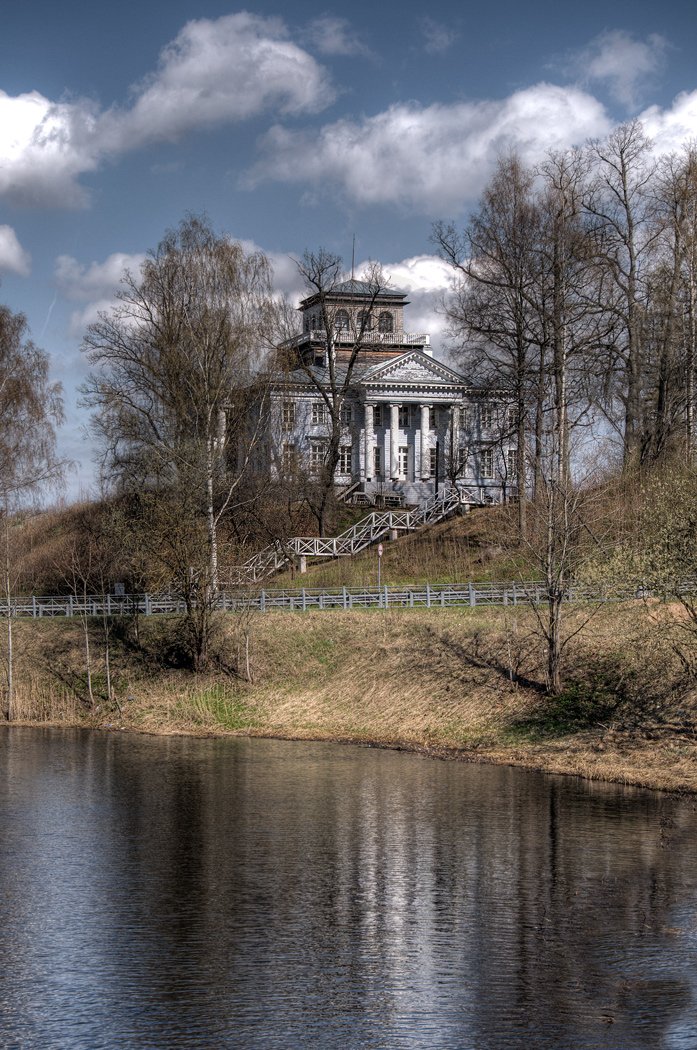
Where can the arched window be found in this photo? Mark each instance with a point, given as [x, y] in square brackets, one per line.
[341, 321]
[365, 321]
[386, 322]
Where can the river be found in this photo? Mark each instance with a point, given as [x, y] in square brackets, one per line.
[179, 892]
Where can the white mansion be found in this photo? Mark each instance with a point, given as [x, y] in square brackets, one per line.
[409, 423]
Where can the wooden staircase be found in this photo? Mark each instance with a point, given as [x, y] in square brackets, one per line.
[368, 530]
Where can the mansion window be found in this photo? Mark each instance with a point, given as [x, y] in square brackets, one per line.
[290, 458]
[345, 456]
[377, 463]
[319, 413]
[486, 463]
[341, 321]
[432, 462]
[512, 418]
[403, 460]
[365, 321]
[288, 414]
[462, 457]
[377, 415]
[346, 414]
[512, 462]
[403, 416]
[486, 416]
[317, 454]
[431, 419]
[465, 421]
[386, 322]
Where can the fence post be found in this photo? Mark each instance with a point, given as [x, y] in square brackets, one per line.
[343, 591]
[262, 601]
[33, 606]
[304, 605]
[70, 605]
[472, 594]
[387, 597]
[515, 595]
[147, 604]
[428, 596]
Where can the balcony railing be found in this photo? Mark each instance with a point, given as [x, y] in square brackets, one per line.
[348, 337]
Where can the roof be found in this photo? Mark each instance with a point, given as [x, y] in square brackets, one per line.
[356, 289]
[363, 288]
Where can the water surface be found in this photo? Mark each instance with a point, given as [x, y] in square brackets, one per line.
[174, 892]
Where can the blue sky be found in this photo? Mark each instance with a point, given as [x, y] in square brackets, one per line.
[294, 126]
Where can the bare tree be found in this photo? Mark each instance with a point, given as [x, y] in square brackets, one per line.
[345, 321]
[491, 312]
[175, 365]
[622, 217]
[30, 407]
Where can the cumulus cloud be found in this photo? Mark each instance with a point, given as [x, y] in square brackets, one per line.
[44, 147]
[13, 258]
[217, 72]
[432, 158]
[672, 128]
[214, 72]
[334, 36]
[437, 37]
[93, 286]
[622, 63]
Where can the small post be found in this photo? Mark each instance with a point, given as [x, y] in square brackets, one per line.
[262, 601]
[343, 592]
[428, 596]
[304, 600]
[472, 595]
[147, 604]
[33, 606]
[303, 564]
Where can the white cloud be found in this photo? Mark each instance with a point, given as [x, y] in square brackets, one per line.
[621, 62]
[672, 128]
[93, 286]
[334, 36]
[431, 158]
[13, 258]
[437, 37]
[217, 72]
[214, 72]
[44, 147]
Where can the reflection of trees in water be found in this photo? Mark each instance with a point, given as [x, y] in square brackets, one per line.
[336, 895]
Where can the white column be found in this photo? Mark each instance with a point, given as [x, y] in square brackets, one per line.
[369, 443]
[425, 467]
[394, 426]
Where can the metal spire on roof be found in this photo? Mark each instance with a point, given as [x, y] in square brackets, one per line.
[353, 258]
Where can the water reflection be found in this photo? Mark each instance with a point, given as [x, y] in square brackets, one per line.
[218, 893]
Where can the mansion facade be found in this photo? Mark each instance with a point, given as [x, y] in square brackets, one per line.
[409, 423]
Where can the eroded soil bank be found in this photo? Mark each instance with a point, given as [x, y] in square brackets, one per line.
[463, 684]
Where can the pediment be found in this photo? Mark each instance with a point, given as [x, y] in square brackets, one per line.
[413, 367]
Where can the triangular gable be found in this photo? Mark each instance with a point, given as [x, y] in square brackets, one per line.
[412, 367]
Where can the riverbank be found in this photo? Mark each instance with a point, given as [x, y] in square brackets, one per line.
[457, 683]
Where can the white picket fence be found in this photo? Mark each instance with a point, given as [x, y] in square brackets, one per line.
[304, 599]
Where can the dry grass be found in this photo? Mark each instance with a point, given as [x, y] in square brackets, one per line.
[463, 683]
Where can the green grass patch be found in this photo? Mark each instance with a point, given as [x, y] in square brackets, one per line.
[219, 705]
[581, 706]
